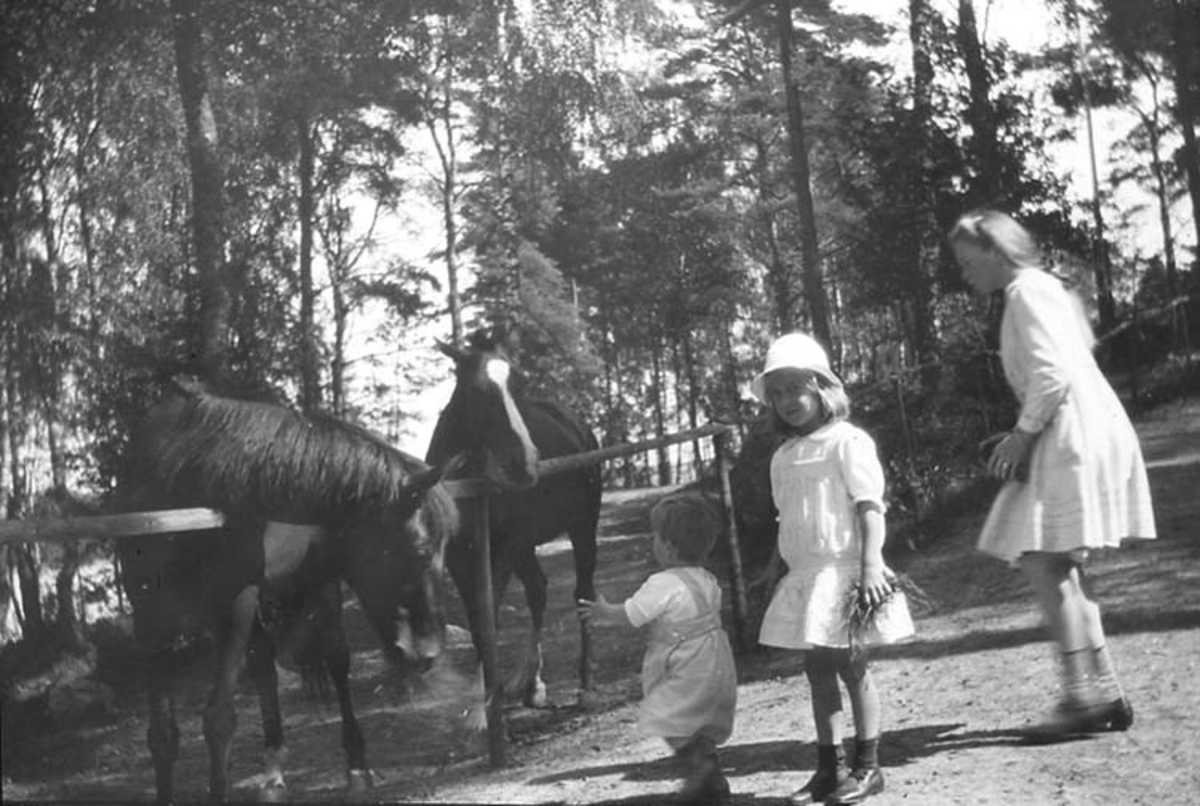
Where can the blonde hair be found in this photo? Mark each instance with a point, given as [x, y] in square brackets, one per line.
[835, 404]
[1000, 232]
[688, 523]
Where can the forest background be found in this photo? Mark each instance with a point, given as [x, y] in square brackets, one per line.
[643, 191]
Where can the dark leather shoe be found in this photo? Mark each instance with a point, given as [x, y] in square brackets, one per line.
[1118, 715]
[860, 785]
[711, 790]
[1070, 719]
[818, 789]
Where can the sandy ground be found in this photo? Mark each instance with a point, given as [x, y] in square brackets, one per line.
[955, 698]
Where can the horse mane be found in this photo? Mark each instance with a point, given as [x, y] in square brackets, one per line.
[242, 454]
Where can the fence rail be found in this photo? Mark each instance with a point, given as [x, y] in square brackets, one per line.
[108, 526]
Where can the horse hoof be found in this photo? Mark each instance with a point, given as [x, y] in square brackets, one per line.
[475, 719]
[589, 700]
[359, 782]
[540, 701]
[273, 793]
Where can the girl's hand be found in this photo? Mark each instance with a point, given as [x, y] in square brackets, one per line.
[1010, 459]
[874, 585]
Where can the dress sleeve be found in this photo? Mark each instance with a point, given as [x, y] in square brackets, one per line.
[1038, 349]
[861, 469]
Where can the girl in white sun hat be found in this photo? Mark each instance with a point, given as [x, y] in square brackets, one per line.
[827, 483]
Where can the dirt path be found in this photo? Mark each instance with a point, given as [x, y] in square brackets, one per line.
[954, 698]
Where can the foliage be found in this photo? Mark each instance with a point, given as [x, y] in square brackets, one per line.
[614, 181]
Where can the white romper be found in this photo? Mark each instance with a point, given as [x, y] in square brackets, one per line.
[689, 681]
[1087, 484]
[816, 480]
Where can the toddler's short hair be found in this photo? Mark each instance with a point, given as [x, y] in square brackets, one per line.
[689, 523]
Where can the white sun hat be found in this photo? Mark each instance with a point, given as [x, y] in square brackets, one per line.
[794, 351]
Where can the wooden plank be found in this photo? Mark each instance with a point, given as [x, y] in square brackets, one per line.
[107, 526]
[574, 461]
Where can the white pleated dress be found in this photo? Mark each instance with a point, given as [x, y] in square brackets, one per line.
[1086, 486]
[816, 480]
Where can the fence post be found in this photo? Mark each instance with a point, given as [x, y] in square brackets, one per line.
[910, 452]
[736, 582]
[486, 618]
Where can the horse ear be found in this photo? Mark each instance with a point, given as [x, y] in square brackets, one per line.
[452, 352]
[423, 481]
[509, 339]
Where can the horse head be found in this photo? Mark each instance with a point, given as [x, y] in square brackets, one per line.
[483, 418]
[398, 575]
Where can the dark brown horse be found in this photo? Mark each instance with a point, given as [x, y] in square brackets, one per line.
[310, 502]
[524, 511]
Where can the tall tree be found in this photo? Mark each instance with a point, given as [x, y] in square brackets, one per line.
[208, 197]
[986, 183]
[810, 257]
[921, 249]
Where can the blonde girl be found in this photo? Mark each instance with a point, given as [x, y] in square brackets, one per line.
[1073, 473]
[827, 483]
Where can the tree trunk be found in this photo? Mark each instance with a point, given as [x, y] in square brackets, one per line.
[1184, 46]
[987, 189]
[57, 282]
[67, 620]
[924, 243]
[660, 424]
[208, 203]
[448, 159]
[814, 286]
[339, 275]
[310, 373]
[1101, 265]
[26, 555]
[779, 280]
[1162, 194]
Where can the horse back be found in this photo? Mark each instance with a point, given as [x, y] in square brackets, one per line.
[556, 431]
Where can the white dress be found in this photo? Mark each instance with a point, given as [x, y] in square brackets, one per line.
[816, 480]
[689, 681]
[1087, 485]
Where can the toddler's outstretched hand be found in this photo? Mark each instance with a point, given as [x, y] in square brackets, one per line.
[601, 611]
[584, 607]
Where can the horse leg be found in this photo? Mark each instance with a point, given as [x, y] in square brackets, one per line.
[260, 658]
[533, 688]
[162, 735]
[220, 718]
[337, 660]
[583, 549]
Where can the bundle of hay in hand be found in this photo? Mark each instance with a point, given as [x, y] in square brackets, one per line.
[862, 616]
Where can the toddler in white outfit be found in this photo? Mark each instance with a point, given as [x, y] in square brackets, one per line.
[689, 683]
